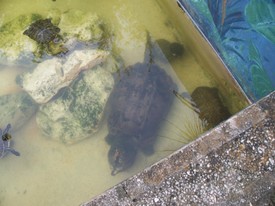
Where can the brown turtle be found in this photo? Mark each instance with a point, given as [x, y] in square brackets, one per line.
[46, 35]
[207, 103]
[139, 103]
[211, 107]
[172, 51]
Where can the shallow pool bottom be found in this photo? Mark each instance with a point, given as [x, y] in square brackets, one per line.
[232, 164]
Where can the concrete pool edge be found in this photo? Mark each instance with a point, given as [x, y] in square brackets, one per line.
[232, 164]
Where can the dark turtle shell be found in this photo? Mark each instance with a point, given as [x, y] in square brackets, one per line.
[42, 31]
[138, 104]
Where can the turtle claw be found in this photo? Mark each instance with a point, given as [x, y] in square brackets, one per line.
[115, 171]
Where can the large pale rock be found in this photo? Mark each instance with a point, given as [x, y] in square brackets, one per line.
[51, 75]
[77, 112]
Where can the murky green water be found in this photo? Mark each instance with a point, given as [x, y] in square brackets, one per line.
[51, 173]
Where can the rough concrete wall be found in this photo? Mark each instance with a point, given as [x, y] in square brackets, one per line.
[232, 164]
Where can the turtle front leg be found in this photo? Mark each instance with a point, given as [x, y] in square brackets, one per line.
[55, 48]
[38, 52]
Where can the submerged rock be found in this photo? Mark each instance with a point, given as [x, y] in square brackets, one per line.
[16, 109]
[85, 26]
[51, 75]
[77, 112]
[14, 46]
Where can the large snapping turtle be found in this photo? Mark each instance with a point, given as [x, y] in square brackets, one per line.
[139, 103]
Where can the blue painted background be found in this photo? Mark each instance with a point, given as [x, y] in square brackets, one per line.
[243, 33]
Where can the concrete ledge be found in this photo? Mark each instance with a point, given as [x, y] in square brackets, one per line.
[232, 164]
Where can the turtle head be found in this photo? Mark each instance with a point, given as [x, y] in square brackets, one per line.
[121, 156]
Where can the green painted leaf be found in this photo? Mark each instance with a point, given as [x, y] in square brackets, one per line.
[260, 78]
[254, 54]
[261, 16]
[261, 81]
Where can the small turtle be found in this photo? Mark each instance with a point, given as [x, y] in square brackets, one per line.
[172, 51]
[42, 31]
[46, 35]
[139, 103]
[5, 143]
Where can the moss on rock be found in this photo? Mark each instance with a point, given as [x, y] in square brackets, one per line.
[76, 113]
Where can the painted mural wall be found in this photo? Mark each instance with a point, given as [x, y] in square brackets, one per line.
[243, 33]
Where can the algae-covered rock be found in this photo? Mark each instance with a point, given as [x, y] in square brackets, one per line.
[87, 27]
[16, 109]
[46, 34]
[51, 75]
[14, 45]
[74, 27]
[77, 112]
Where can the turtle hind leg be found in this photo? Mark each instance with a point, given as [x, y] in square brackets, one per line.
[145, 144]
